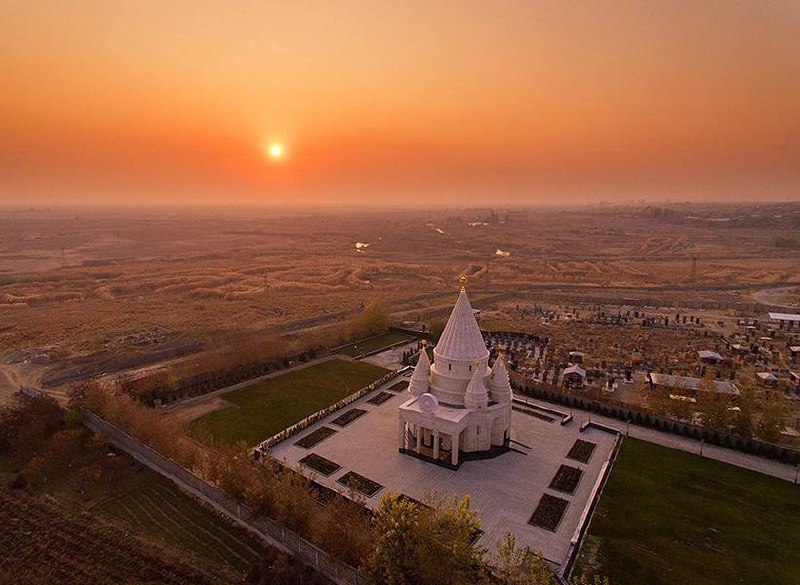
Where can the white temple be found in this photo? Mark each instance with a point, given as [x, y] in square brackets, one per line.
[457, 405]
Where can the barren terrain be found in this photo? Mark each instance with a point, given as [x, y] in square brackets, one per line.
[86, 292]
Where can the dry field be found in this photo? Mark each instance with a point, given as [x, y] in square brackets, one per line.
[101, 291]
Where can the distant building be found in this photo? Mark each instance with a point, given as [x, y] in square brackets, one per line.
[769, 379]
[575, 357]
[689, 386]
[458, 406]
[740, 348]
[574, 376]
[785, 320]
[710, 357]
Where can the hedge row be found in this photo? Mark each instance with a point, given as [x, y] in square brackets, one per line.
[205, 382]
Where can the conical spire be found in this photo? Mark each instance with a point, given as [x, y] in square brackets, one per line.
[476, 395]
[500, 378]
[461, 338]
[500, 384]
[421, 377]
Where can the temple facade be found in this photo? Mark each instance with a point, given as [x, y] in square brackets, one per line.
[458, 407]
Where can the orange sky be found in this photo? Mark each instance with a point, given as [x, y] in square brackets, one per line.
[399, 102]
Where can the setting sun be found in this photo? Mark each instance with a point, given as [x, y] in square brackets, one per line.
[275, 151]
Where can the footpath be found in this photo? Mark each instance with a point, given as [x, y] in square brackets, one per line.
[763, 465]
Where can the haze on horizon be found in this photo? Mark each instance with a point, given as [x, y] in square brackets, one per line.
[398, 102]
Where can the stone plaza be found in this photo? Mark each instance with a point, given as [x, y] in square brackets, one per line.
[505, 490]
[454, 428]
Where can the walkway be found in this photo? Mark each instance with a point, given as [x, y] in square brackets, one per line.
[745, 460]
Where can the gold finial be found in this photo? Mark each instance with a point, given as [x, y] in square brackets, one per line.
[463, 280]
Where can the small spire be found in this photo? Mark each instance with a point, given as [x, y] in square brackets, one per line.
[476, 395]
[420, 379]
[500, 379]
[500, 383]
[423, 360]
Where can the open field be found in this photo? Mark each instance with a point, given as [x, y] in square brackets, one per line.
[265, 408]
[74, 509]
[43, 543]
[375, 343]
[163, 513]
[83, 292]
[91, 499]
[667, 517]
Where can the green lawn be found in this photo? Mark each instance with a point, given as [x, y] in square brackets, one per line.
[669, 517]
[371, 344]
[267, 407]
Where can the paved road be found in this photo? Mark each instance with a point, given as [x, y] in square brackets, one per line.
[745, 460]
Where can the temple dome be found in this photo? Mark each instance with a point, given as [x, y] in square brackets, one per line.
[461, 338]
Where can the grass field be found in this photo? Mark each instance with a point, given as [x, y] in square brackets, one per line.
[670, 517]
[267, 407]
[371, 344]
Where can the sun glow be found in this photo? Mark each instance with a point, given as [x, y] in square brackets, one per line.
[274, 151]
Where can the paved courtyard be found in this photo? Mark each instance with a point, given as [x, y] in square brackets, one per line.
[391, 359]
[505, 490]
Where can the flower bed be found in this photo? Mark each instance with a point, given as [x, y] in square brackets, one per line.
[549, 512]
[360, 483]
[581, 451]
[317, 436]
[566, 479]
[320, 464]
[380, 398]
[399, 387]
[346, 418]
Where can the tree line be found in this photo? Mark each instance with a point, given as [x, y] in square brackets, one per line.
[403, 542]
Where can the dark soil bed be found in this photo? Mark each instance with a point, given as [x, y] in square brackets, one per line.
[320, 464]
[581, 451]
[317, 436]
[346, 418]
[566, 479]
[360, 483]
[549, 512]
[380, 398]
